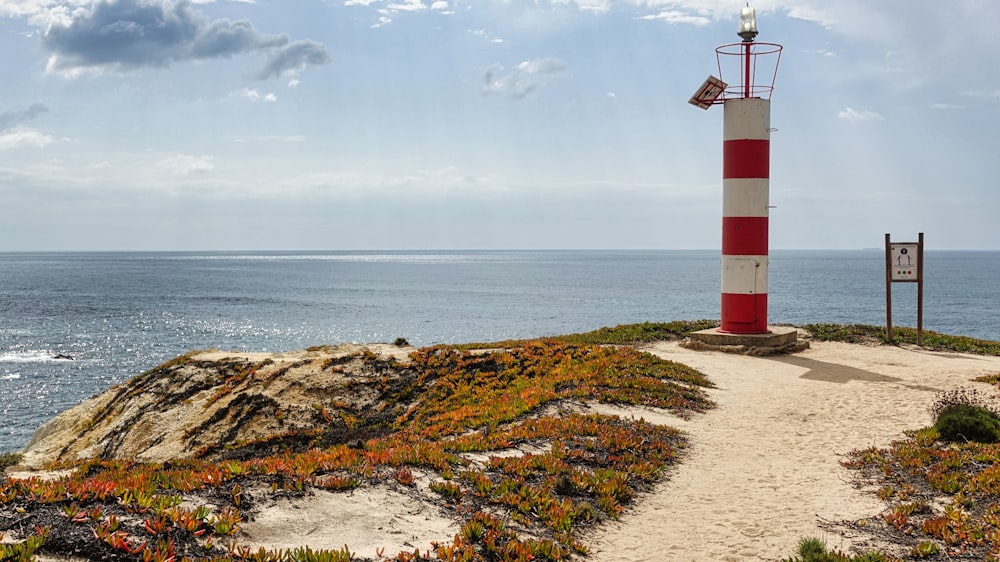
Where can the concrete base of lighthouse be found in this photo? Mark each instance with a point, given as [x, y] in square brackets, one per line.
[778, 340]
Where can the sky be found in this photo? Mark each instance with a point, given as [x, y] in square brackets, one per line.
[485, 124]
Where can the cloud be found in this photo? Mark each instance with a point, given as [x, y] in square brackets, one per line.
[19, 137]
[387, 10]
[14, 118]
[856, 116]
[122, 35]
[589, 5]
[269, 138]
[294, 58]
[185, 164]
[673, 16]
[445, 180]
[255, 95]
[13, 135]
[983, 95]
[485, 35]
[943, 105]
[407, 6]
[523, 79]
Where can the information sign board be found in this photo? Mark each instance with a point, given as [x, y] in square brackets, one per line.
[903, 263]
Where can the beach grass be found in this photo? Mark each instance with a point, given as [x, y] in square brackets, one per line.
[624, 334]
[874, 335]
[8, 460]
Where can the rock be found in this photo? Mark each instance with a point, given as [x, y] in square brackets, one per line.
[215, 405]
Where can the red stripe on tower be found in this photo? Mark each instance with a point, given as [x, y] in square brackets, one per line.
[746, 158]
[745, 176]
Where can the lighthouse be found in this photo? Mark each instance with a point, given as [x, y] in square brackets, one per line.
[751, 67]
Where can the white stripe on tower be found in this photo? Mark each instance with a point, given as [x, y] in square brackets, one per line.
[745, 176]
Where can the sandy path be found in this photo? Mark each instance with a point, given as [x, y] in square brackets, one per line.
[762, 470]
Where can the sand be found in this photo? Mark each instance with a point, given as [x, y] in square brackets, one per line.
[369, 521]
[763, 468]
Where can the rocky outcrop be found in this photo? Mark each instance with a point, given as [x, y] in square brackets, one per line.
[216, 405]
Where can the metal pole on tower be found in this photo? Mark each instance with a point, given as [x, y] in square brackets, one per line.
[747, 83]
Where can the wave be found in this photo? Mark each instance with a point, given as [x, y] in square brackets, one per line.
[31, 356]
[11, 377]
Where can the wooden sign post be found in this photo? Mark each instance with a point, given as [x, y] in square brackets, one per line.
[904, 263]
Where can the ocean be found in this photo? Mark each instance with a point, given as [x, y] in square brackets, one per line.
[73, 324]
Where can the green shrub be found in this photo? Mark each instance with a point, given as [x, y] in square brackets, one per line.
[814, 550]
[967, 422]
[8, 460]
[968, 396]
[811, 549]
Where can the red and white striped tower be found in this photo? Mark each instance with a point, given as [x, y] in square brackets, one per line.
[746, 150]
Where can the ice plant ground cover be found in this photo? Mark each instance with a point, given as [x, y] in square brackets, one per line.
[456, 405]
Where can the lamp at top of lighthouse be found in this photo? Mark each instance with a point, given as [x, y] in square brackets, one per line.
[747, 32]
[748, 24]
[741, 65]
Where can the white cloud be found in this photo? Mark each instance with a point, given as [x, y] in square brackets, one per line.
[524, 78]
[255, 95]
[184, 164]
[673, 16]
[387, 11]
[448, 179]
[485, 35]
[589, 5]
[983, 95]
[294, 83]
[407, 6]
[270, 138]
[856, 116]
[18, 137]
